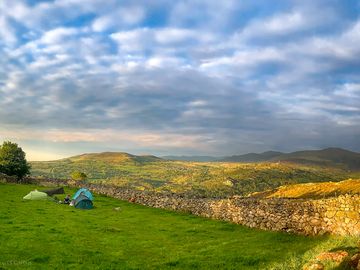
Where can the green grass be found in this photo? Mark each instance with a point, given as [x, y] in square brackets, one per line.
[46, 235]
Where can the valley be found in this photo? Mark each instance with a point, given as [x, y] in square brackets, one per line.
[202, 179]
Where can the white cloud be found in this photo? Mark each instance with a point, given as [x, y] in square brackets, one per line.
[330, 49]
[191, 75]
[299, 19]
[159, 61]
[119, 17]
[17, 10]
[134, 40]
[278, 25]
[198, 103]
[244, 60]
[165, 41]
[349, 90]
[57, 35]
[102, 23]
[174, 35]
[7, 33]
[132, 15]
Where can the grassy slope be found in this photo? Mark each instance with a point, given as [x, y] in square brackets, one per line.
[46, 235]
[332, 157]
[313, 190]
[208, 179]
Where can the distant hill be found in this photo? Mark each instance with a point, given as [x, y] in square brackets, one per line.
[95, 165]
[114, 157]
[327, 157]
[192, 158]
[252, 157]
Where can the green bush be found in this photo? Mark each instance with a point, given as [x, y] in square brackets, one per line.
[12, 160]
[78, 176]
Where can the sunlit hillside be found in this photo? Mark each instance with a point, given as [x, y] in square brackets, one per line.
[211, 179]
[312, 190]
[114, 158]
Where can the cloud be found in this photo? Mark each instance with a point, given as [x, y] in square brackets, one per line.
[123, 16]
[134, 40]
[102, 23]
[7, 36]
[190, 76]
[204, 14]
[349, 90]
[57, 35]
[161, 40]
[281, 24]
[174, 35]
[154, 140]
[163, 61]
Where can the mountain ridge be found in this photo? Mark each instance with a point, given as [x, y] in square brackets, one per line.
[331, 156]
[191, 158]
[252, 157]
[113, 157]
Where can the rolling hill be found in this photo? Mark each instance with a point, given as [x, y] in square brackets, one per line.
[114, 157]
[209, 179]
[252, 157]
[325, 157]
[192, 158]
[330, 157]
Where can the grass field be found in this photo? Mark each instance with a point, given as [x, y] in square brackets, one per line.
[46, 235]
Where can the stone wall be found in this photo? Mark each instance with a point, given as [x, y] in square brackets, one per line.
[340, 215]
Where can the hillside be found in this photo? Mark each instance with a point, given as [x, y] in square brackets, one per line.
[192, 158]
[252, 157]
[331, 157]
[325, 157]
[114, 158]
[210, 179]
[312, 190]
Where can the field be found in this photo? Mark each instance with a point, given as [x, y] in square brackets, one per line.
[44, 234]
[209, 179]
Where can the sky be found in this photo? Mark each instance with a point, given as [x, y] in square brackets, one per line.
[197, 77]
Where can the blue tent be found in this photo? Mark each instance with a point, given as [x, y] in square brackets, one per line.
[85, 192]
[83, 202]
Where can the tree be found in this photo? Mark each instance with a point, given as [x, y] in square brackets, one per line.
[78, 176]
[12, 160]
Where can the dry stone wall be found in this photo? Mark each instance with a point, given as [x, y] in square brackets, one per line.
[340, 215]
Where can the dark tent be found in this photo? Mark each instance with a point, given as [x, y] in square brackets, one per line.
[51, 192]
[83, 202]
[85, 192]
